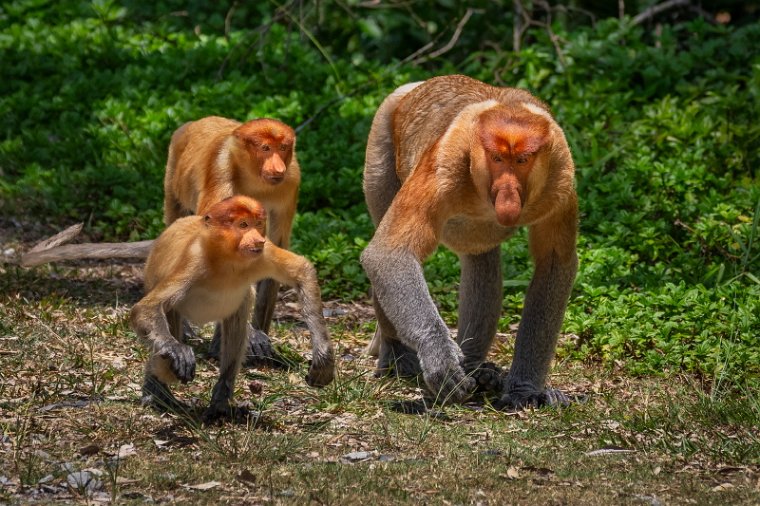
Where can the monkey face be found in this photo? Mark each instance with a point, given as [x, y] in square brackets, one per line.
[510, 143]
[239, 222]
[269, 144]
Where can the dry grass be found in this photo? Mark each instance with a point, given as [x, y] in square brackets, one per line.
[70, 370]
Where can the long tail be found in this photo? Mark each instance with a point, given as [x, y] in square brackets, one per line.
[52, 250]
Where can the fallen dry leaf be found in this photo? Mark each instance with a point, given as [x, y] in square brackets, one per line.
[204, 486]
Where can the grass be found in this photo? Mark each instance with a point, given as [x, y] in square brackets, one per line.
[69, 401]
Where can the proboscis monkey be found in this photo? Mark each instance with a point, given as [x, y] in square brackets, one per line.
[214, 158]
[201, 268]
[455, 161]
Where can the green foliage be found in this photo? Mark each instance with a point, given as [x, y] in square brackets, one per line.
[663, 126]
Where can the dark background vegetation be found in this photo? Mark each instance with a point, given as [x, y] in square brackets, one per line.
[661, 110]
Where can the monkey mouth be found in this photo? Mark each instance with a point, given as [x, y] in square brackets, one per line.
[254, 251]
[275, 179]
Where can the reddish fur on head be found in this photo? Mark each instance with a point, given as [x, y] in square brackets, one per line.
[511, 138]
[238, 223]
[270, 143]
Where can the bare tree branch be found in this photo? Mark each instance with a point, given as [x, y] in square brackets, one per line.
[50, 249]
[654, 10]
[454, 38]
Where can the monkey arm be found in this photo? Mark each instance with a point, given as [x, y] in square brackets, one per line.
[552, 243]
[294, 270]
[392, 262]
[170, 359]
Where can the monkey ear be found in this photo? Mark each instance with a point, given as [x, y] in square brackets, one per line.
[207, 219]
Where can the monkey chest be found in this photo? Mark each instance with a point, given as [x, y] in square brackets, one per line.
[202, 305]
[471, 236]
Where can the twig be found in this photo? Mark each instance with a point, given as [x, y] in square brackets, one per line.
[58, 239]
[454, 38]
[228, 20]
[517, 25]
[654, 10]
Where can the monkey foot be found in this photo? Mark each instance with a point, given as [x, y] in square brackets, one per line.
[488, 377]
[397, 359]
[522, 397]
[418, 407]
[449, 386]
[259, 351]
[228, 412]
[320, 375]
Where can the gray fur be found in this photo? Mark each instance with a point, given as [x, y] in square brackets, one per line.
[234, 339]
[480, 294]
[402, 292]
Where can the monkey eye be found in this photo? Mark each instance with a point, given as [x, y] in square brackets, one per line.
[259, 224]
[243, 224]
[522, 158]
[496, 158]
[284, 147]
[265, 147]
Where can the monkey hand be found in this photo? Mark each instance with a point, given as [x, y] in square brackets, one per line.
[520, 395]
[488, 376]
[443, 373]
[180, 357]
[321, 371]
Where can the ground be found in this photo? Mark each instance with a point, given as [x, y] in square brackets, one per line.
[73, 429]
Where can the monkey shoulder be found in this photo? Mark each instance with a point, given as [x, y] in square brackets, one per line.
[210, 124]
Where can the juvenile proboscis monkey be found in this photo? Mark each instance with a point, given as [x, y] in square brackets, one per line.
[455, 161]
[201, 268]
[214, 158]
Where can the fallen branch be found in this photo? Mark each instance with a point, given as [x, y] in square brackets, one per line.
[53, 249]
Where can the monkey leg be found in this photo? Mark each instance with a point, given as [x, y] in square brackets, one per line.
[172, 361]
[266, 298]
[259, 350]
[403, 297]
[234, 332]
[480, 296]
[542, 316]
[394, 356]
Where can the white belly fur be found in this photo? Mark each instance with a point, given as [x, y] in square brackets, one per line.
[206, 306]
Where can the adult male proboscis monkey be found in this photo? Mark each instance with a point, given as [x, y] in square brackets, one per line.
[201, 268]
[455, 161]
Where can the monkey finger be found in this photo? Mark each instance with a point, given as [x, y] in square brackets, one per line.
[454, 387]
[183, 363]
[555, 397]
[488, 377]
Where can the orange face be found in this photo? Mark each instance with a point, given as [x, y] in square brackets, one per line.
[270, 143]
[239, 226]
[511, 140]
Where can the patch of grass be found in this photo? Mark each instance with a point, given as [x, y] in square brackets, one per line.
[62, 392]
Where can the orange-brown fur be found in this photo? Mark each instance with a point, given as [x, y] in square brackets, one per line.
[471, 163]
[214, 158]
[201, 268]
